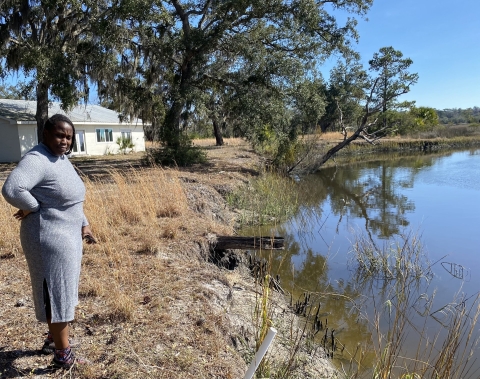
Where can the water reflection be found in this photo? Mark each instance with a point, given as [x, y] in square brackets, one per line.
[339, 302]
[379, 200]
[368, 191]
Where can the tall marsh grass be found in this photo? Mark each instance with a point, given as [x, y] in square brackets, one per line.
[402, 258]
[404, 311]
[269, 198]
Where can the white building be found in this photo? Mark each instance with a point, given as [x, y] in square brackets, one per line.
[97, 129]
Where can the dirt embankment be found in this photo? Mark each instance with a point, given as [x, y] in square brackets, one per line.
[151, 304]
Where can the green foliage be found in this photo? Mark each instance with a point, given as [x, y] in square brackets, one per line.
[425, 115]
[20, 91]
[269, 198]
[459, 116]
[346, 91]
[414, 120]
[392, 81]
[59, 45]
[184, 154]
[309, 102]
[400, 122]
[237, 63]
[124, 144]
[263, 139]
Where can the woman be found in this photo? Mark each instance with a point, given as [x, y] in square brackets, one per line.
[50, 194]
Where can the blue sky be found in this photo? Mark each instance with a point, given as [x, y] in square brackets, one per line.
[441, 37]
[443, 40]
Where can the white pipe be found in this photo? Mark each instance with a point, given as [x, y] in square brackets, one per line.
[260, 353]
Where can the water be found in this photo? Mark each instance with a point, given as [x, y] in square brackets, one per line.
[436, 198]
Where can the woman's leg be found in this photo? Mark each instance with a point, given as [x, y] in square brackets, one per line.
[63, 356]
[59, 332]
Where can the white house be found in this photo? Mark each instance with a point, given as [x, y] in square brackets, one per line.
[97, 129]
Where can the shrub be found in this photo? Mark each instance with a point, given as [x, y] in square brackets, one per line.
[125, 144]
[185, 154]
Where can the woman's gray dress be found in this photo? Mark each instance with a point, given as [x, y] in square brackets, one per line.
[51, 236]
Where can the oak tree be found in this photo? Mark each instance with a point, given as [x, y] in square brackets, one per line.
[225, 49]
[56, 45]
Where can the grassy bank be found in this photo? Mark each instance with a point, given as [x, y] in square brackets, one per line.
[145, 297]
[412, 145]
[151, 305]
[268, 199]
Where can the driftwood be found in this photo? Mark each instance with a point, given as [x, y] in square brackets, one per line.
[247, 243]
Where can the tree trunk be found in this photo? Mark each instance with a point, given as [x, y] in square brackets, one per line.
[385, 84]
[42, 109]
[323, 126]
[330, 153]
[218, 133]
[171, 127]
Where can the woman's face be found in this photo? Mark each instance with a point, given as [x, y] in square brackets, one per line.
[59, 138]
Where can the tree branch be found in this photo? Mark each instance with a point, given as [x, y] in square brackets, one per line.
[204, 14]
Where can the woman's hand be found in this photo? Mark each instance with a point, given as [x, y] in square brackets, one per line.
[21, 214]
[87, 235]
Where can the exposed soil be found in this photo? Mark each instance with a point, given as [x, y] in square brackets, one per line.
[155, 306]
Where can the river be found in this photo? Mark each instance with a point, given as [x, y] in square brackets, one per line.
[434, 199]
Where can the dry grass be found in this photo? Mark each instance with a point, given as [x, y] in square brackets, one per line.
[331, 136]
[204, 142]
[145, 305]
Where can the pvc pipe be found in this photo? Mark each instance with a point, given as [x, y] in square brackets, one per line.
[260, 353]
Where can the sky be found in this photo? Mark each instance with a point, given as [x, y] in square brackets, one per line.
[441, 37]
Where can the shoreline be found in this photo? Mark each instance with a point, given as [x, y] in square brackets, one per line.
[151, 305]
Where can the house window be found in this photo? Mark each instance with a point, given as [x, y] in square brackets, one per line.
[104, 135]
[126, 135]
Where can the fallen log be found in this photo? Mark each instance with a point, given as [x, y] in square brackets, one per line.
[246, 243]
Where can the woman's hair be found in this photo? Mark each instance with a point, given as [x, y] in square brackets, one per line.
[56, 118]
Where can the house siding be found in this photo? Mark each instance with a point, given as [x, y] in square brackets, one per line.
[102, 148]
[18, 128]
[9, 142]
[27, 137]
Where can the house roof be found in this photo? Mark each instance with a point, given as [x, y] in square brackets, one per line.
[23, 112]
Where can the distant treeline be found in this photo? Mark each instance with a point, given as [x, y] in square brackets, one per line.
[459, 116]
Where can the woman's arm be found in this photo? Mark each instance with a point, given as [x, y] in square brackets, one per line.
[20, 182]
[21, 214]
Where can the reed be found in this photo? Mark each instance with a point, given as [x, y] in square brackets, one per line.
[404, 257]
[406, 304]
[263, 321]
[269, 198]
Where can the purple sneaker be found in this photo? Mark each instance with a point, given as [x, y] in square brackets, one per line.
[49, 346]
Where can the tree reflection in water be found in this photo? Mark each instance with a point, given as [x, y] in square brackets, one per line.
[373, 192]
